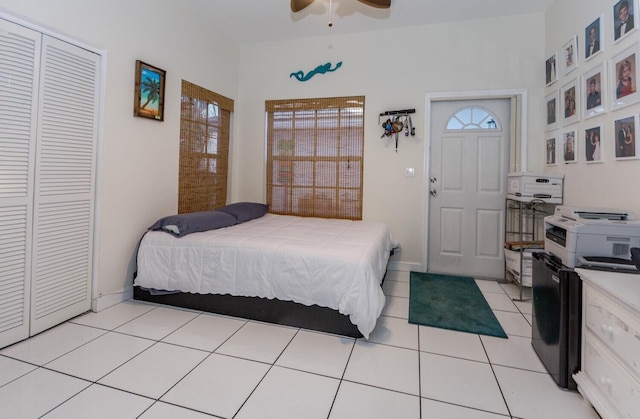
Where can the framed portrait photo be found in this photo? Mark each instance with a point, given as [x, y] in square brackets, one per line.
[551, 66]
[593, 92]
[570, 55]
[551, 151]
[592, 141]
[569, 147]
[551, 103]
[570, 102]
[624, 19]
[624, 77]
[148, 101]
[592, 39]
[625, 133]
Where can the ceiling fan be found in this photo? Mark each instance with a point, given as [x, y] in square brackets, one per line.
[297, 5]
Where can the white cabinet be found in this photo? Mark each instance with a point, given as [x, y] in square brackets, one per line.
[48, 132]
[610, 376]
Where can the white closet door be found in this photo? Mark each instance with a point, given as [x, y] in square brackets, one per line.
[19, 60]
[64, 184]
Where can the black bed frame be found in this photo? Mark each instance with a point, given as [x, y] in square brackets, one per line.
[285, 313]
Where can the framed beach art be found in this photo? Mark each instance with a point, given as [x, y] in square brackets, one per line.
[570, 106]
[570, 55]
[593, 144]
[569, 147]
[625, 143]
[148, 101]
[551, 151]
[552, 106]
[624, 77]
[624, 19]
[551, 66]
[593, 91]
[592, 39]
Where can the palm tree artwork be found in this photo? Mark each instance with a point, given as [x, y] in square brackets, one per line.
[149, 92]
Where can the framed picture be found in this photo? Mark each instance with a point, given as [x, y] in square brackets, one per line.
[592, 144]
[624, 19]
[552, 110]
[624, 76]
[570, 98]
[570, 55]
[148, 101]
[551, 69]
[592, 39]
[569, 147]
[626, 146]
[593, 92]
[551, 153]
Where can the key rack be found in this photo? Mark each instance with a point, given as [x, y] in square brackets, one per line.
[397, 121]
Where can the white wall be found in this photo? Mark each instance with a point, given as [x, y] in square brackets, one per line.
[139, 157]
[613, 183]
[394, 70]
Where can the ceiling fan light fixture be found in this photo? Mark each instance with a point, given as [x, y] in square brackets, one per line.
[297, 5]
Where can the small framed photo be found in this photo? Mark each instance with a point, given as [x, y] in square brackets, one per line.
[148, 101]
[624, 76]
[570, 102]
[569, 147]
[624, 19]
[570, 55]
[551, 153]
[592, 144]
[593, 92]
[552, 110]
[551, 69]
[592, 39]
[626, 146]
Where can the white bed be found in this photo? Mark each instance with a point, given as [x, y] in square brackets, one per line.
[331, 263]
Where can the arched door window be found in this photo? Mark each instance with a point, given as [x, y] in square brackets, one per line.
[473, 118]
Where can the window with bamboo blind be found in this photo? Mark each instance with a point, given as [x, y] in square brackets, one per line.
[315, 150]
[205, 119]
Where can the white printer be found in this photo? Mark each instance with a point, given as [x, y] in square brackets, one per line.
[572, 233]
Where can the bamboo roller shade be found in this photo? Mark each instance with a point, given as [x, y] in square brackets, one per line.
[315, 157]
[204, 149]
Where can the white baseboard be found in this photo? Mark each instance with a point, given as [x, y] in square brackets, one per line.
[111, 299]
[405, 266]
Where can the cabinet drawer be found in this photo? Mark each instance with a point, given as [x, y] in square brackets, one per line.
[617, 385]
[617, 328]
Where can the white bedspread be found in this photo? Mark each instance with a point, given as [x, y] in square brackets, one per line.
[332, 263]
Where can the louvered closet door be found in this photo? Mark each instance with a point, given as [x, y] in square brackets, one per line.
[64, 184]
[19, 57]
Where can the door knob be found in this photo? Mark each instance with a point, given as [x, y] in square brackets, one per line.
[433, 192]
[433, 179]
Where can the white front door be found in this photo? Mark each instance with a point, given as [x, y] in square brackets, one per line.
[469, 160]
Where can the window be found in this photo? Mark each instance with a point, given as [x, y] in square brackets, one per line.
[205, 119]
[473, 119]
[315, 157]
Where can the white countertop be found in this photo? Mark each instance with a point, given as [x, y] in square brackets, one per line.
[625, 287]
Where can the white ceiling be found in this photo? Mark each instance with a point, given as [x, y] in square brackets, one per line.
[251, 21]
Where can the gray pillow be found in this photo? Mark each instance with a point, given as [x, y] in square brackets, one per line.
[245, 211]
[182, 224]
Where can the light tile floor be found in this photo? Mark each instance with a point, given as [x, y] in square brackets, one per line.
[141, 360]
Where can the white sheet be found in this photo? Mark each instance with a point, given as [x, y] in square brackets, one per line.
[332, 263]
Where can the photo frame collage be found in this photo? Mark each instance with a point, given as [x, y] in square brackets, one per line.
[605, 85]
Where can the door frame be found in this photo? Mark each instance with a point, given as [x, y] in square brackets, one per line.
[517, 150]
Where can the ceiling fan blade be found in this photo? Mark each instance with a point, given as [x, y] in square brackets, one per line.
[297, 5]
[380, 4]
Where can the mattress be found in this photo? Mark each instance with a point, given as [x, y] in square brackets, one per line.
[332, 263]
